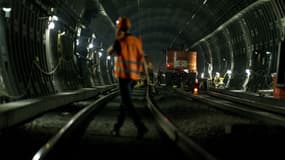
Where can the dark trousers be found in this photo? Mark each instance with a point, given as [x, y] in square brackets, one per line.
[127, 105]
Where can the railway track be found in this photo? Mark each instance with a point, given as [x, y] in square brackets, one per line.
[96, 142]
[180, 127]
[270, 113]
[233, 127]
[23, 140]
[81, 130]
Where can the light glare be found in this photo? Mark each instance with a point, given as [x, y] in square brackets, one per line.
[51, 25]
[7, 9]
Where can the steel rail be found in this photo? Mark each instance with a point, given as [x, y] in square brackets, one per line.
[253, 103]
[187, 145]
[280, 103]
[239, 107]
[71, 128]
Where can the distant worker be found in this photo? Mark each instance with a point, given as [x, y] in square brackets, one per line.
[129, 63]
[149, 68]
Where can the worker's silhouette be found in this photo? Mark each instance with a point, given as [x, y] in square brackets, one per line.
[129, 62]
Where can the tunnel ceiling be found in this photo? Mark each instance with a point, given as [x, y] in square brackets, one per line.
[164, 24]
[173, 23]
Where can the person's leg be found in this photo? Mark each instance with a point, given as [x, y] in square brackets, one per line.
[120, 121]
[122, 114]
[133, 113]
[137, 121]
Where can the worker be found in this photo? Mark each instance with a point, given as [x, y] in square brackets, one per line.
[129, 63]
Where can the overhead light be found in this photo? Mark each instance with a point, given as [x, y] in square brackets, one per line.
[78, 32]
[93, 36]
[54, 18]
[90, 46]
[5, 9]
[202, 75]
[100, 54]
[51, 25]
[229, 72]
[108, 57]
[217, 74]
[205, 1]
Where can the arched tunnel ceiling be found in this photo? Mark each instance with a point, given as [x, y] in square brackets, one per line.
[166, 24]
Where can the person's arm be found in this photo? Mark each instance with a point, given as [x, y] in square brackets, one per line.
[146, 71]
[110, 50]
[114, 48]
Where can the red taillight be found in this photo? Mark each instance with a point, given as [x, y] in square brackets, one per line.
[196, 90]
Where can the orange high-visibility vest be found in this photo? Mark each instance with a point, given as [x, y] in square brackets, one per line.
[129, 60]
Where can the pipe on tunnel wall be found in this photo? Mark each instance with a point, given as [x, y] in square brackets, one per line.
[6, 79]
[41, 59]
[25, 48]
[87, 60]
[281, 66]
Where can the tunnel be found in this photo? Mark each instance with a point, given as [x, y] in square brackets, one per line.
[50, 47]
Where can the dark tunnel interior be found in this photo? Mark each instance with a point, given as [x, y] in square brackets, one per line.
[215, 67]
[53, 46]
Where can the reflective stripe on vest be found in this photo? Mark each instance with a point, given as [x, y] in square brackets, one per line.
[129, 61]
[127, 69]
